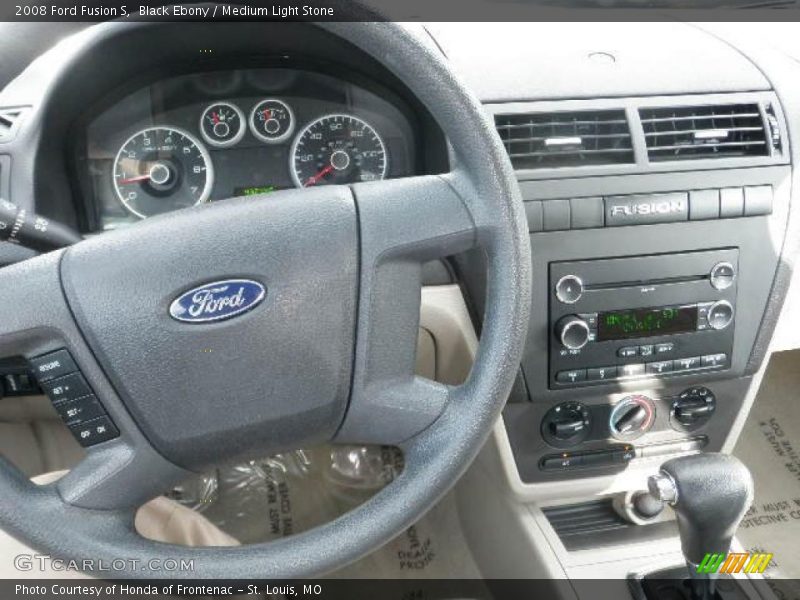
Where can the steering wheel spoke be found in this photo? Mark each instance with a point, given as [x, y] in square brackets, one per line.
[413, 219]
[121, 472]
[403, 223]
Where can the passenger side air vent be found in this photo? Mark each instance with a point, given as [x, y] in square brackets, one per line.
[716, 131]
[566, 139]
[9, 120]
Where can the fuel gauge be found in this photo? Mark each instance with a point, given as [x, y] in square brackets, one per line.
[272, 121]
[222, 124]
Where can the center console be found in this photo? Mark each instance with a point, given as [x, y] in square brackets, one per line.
[652, 272]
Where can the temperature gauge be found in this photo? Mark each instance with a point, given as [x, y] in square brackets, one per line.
[222, 124]
[272, 121]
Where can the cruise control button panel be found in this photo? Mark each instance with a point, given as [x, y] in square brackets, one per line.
[66, 388]
[73, 398]
[80, 410]
[89, 433]
[53, 365]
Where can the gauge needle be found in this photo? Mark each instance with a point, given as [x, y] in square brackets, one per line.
[315, 178]
[144, 177]
[215, 118]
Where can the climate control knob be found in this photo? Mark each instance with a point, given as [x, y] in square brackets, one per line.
[573, 332]
[631, 417]
[566, 424]
[693, 408]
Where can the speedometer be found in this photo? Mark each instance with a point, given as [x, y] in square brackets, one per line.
[162, 169]
[337, 149]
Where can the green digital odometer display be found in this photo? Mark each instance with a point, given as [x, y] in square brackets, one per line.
[645, 322]
[254, 190]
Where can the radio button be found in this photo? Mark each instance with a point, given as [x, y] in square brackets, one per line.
[714, 360]
[722, 276]
[590, 318]
[601, 373]
[702, 315]
[665, 348]
[572, 376]
[646, 350]
[628, 351]
[569, 289]
[658, 367]
[631, 370]
[720, 314]
[686, 364]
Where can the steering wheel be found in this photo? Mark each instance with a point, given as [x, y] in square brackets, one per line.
[327, 354]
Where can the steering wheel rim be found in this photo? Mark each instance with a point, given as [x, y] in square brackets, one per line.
[439, 428]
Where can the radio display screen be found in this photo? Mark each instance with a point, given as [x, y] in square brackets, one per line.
[645, 322]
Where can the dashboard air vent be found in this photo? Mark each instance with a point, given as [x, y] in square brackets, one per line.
[566, 139]
[9, 118]
[695, 132]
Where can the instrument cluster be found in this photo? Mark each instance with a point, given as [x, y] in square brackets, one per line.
[206, 137]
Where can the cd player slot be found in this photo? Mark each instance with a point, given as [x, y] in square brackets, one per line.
[632, 284]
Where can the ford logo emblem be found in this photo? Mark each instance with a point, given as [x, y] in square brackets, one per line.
[217, 300]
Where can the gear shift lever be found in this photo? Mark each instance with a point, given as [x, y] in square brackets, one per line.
[710, 494]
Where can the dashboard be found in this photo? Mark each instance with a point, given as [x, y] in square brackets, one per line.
[659, 181]
[207, 136]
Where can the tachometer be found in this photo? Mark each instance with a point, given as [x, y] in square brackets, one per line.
[161, 169]
[337, 149]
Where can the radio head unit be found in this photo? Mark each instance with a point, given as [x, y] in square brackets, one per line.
[639, 317]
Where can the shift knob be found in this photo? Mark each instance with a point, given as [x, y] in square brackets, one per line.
[710, 494]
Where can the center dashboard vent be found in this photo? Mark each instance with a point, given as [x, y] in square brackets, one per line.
[9, 119]
[566, 139]
[715, 131]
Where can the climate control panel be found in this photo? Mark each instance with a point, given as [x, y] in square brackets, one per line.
[611, 435]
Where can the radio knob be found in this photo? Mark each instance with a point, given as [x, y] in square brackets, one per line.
[573, 332]
[720, 314]
[569, 289]
[722, 276]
